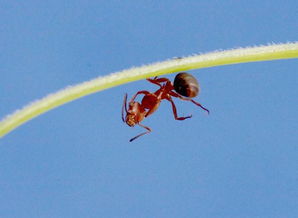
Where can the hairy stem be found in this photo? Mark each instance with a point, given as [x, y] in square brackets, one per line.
[234, 56]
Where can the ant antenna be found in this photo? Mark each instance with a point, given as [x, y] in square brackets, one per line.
[124, 106]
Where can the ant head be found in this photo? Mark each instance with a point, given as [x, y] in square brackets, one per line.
[132, 113]
[130, 120]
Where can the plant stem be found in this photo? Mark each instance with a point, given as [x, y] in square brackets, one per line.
[234, 56]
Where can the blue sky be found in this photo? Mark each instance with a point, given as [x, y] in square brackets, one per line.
[76, 161]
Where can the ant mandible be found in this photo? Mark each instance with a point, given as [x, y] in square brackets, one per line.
[185, 87]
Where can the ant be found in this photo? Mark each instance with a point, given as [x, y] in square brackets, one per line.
[185, 87]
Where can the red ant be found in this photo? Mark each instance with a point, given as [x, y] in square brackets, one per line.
[185, 87]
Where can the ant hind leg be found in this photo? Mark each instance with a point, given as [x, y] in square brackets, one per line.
[198, 104]
[189, 99]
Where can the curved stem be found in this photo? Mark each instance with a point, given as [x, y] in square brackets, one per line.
[234, 56]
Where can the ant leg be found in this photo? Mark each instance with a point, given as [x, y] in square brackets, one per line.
[124, 106]
[144, 92]
[148, 131]
[188, 99]
[157, 81]
[198, 104]
[175, 111]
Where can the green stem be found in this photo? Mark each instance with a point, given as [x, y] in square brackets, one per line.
[234, 56]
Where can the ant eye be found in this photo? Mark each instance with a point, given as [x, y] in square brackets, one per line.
[187, 85]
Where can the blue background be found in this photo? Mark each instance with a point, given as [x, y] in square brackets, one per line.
[76, 161]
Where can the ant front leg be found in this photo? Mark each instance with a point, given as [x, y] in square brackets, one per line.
[148, 131]
[144, 92]
[175, 110]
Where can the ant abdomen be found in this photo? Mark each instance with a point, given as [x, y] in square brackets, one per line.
[186, 85]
